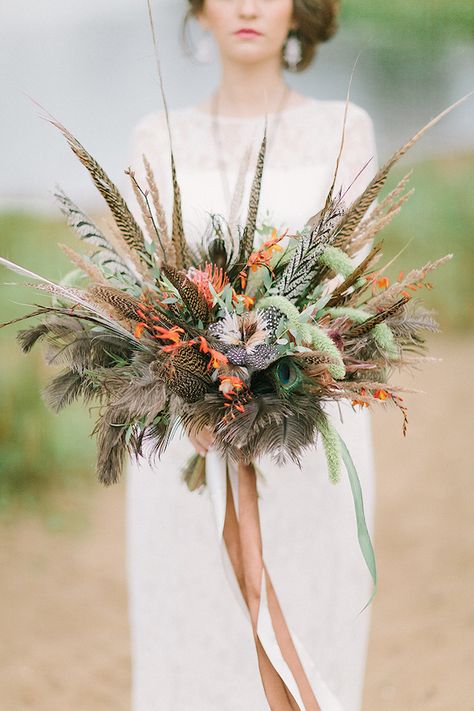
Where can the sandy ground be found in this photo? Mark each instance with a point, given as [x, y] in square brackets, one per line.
[63, 610]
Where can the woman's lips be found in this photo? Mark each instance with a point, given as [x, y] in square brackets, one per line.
[247, 32]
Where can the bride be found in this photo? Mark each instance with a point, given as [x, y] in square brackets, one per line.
[191, 648]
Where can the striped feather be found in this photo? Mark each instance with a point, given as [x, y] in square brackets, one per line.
[237, 199]
[386, 204]
[182, 258]
[362, 328]
[77, 296]
[246, 244]
[366, 233]
[182, 255]
[296, 278]
[189, 292]
[123, 217]
[105, 254]
[124, 305]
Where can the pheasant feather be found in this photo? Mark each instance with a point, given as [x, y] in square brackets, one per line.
[128, 226]
[351, 219]
[254, 200]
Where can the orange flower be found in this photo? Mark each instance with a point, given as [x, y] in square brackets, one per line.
[377, 282]
[171, 334]
[381, 394]
[262, 257]
[272, 243]
[362, 403]
[217, 358]
[210, 275]
[138, 329]
[230, 384]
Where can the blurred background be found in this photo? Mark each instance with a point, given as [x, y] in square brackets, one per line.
[63, 559]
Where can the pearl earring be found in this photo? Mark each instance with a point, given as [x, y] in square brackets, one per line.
[203, 52]
[292, 52]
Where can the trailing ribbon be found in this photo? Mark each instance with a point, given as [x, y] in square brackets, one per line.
[283, 662]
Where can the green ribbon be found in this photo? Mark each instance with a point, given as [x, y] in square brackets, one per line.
[362, 530]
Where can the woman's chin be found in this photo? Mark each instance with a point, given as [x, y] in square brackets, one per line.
[247, 54]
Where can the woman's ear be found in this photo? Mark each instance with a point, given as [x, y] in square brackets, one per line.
[201, 19]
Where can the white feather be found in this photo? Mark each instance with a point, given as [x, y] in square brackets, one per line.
[71, 294]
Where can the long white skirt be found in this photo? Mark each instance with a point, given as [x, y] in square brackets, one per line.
[192, 649]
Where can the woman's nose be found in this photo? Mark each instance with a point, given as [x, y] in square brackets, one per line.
[248, 8]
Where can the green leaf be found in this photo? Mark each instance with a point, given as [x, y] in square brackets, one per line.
[217, 298]
[267, 279]
[362, 531]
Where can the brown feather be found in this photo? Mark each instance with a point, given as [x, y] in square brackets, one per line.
[168, 248]
[123, 305]
[182, 259]
[123, 217]
[388, 201]
[366, 233]
[182, 255]
[189, 292]
[362, 328]
[188, 375]
[249, 230]
[359, 207]
[111, 429]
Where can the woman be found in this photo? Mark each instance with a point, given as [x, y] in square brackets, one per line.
[191, 647]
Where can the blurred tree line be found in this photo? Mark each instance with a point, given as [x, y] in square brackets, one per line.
[405, 19]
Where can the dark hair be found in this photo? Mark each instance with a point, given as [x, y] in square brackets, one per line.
[316, 21]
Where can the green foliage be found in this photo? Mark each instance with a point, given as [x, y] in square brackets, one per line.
[437, 220]
[40, 452]
[406, 20]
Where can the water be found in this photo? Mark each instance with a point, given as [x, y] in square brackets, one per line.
[92, 67]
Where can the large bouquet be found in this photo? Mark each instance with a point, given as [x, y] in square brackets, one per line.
[250, 339]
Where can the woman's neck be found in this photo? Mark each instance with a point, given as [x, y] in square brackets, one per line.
[249, 90]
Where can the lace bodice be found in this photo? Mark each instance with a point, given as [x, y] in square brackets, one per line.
[303, 143]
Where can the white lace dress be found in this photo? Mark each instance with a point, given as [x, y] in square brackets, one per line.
[192, 649]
